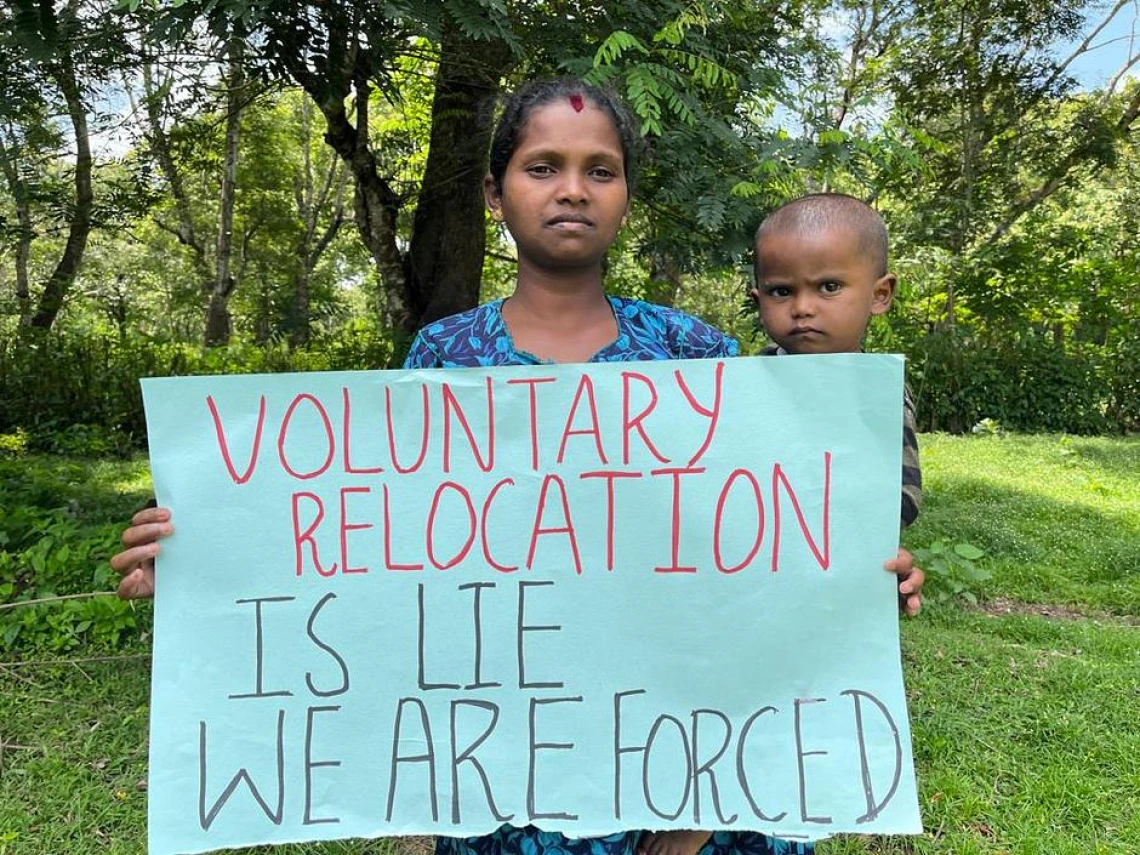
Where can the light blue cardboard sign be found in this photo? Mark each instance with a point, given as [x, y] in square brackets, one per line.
[583, 597]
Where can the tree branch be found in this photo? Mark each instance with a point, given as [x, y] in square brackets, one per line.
[1059, 174]
[1084, 46]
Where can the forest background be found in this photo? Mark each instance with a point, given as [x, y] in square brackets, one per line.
[221, 186]
[212, 186]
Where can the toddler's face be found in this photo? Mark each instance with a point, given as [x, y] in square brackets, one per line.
[817, 291]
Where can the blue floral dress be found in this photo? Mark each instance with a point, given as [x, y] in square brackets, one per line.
[479, 337]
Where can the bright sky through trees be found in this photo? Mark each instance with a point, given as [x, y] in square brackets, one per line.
[1113, 47]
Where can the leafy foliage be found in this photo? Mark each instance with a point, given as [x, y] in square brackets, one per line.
[1026, 383]
[57, 531]
[951, 571]
[75, 393]
[1011, 197]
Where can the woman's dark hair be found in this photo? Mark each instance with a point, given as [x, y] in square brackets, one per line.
[539, 93]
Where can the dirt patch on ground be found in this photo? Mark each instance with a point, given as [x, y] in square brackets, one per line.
[413, 845]
[1006, 606]
[1002, 606]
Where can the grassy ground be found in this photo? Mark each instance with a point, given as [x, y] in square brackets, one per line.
[1024, 711]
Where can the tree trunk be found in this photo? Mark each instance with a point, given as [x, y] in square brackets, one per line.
[67, 269]
[442, 271]
[376, 205]
[299, 320]
[160, 144]
[311, 203]
[445, 258]
[299, 329]
[218, 324]
[666, 281]
[19, 193]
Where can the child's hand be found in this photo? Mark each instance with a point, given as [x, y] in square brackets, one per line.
[911, 579]
[672, 842]
[136, 562]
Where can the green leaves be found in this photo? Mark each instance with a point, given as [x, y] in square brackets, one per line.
[950, 570]
[54, 547]
[663, 76]
[615, 46]
[746, 189]
[36, 27]
[484, 20]
[968, 551]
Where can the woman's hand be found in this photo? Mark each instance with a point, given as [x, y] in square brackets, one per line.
[136, 562]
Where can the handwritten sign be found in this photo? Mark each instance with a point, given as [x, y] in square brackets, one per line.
[583, 597]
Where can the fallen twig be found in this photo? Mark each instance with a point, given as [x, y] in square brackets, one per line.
[36, 662]
[83, 596]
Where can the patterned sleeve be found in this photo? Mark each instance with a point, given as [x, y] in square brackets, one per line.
[911, 472]
[422, 354]
[697, 340]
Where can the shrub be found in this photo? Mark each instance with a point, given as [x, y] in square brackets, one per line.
[80, 395]
[1025, 383]
[14, 444]
[56, 534]
[1122, 360]
[950, 571]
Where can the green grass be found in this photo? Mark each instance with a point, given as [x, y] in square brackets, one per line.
[1058, 516]
[1026, 727]
[73, 769]
[1024, 734]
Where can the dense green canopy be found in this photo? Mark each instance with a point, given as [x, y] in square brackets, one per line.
[259, 171]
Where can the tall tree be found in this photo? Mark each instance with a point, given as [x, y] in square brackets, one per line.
[319, 199]
[218, 322]
[28, 143]
[967, 94]
[53, 39]
[678, 62]
[167, 75]
[340, 53]
[59, 57]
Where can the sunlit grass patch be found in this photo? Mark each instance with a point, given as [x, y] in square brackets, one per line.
[1059, 517]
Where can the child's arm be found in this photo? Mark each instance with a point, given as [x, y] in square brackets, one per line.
[911, 471]
[911, 580]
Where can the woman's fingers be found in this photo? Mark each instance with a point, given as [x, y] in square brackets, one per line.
[151, 515]
[138, 584]
[129, 559]
[135, 563]
[141, 534]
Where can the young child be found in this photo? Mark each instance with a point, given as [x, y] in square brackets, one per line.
[559, 180]
[821, 274]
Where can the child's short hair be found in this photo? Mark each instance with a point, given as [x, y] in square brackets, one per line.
[819, 211]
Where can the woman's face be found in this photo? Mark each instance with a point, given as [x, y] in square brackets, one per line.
[564, 192]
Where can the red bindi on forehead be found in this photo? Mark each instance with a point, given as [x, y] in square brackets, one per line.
[577, 102]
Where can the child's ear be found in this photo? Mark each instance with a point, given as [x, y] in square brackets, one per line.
[882, 293]
[493, 198]
[754, 291]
